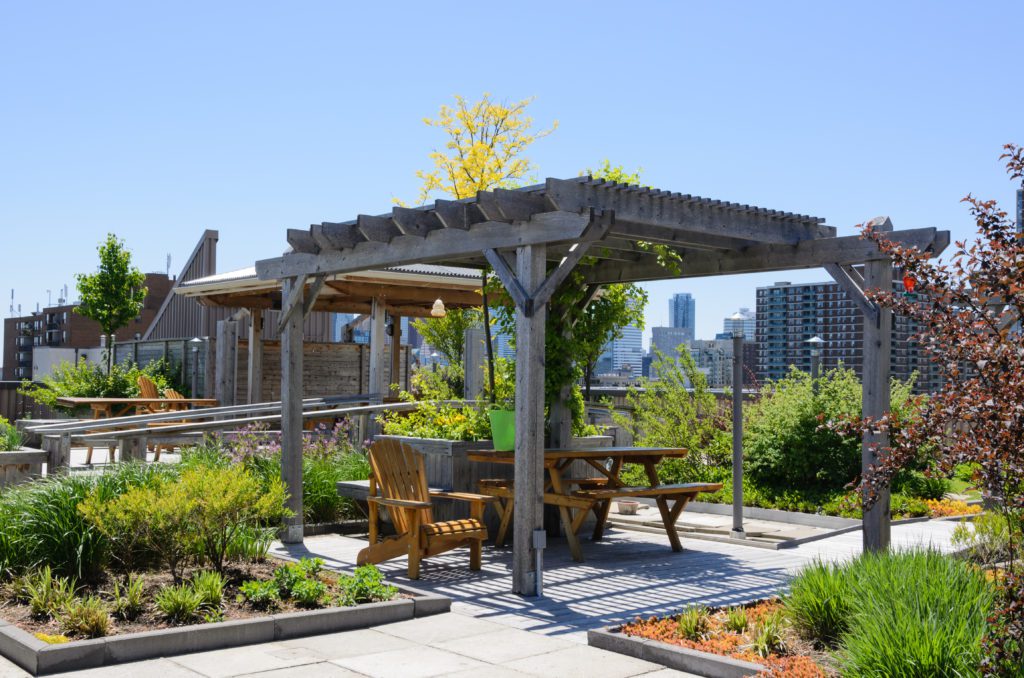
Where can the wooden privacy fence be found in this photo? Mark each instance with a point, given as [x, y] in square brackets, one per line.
[14, 405]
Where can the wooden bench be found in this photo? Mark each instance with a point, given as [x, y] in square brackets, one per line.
[679, 494]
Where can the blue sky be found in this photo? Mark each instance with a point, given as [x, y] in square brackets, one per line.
[157, 120]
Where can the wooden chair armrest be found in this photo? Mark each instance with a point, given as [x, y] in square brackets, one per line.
[462, 496]
[399, 503]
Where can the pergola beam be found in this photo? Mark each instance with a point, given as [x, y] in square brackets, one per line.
[762, 258]
[442, 244]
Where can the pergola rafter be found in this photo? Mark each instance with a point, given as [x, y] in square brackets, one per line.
[534, 237]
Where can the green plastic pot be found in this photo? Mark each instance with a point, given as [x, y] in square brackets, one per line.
[503, 429]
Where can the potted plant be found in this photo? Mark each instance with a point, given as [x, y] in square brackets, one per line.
[503, 425]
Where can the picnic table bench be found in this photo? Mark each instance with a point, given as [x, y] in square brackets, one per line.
[595, 493]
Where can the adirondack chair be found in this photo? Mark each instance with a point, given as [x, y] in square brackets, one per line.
[171, 395]
[398, 471]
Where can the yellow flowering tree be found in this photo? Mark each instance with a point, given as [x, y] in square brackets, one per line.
[485, 147]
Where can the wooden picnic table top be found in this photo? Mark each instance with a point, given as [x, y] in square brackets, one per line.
[499, 457]
[76, 400]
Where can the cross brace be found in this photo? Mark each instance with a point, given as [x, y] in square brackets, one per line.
[529, 301]
[851, 282]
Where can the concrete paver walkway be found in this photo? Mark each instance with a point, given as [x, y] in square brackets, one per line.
[444, 645]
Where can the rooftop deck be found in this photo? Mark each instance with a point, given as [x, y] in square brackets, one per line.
[626, 575]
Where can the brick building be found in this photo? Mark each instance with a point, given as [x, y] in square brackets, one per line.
[60, 326]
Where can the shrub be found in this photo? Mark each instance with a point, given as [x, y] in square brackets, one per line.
[251, 545]
[819, 603]
[911, 613]
[309, 592]
[987, 538]
[198, 514]
[210, 587]
[768, 638]
[736, 619]
[129, 600]
[156, 518]
[694, 623]
[86, 617]
[366, 585]
[47, 595]
[262, 595]
[920, 486]
[90, 380]
[225, 502]
[10, 436]
[180, 604]
[677, 409]
[290, 575]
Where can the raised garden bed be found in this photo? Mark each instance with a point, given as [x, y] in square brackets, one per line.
[715, 643]
[21, 466]
[36, 643]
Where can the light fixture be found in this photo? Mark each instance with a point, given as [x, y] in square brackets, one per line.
[815, 343]
[437, 310]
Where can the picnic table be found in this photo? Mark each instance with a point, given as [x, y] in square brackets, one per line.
[596, 492]
[103, 408]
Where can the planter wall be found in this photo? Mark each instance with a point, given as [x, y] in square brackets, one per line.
[21, 466]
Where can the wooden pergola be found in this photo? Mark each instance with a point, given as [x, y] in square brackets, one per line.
[373, 295]
[533, 238]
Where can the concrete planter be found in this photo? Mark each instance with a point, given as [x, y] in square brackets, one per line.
[39, 658]
[21, 466]
[672, 656]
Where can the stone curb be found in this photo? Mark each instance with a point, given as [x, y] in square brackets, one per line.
[38, 658]
[671, 656]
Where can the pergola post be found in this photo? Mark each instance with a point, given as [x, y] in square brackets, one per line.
[291, 406]
[395, 378]
[529, 449]
[255, 374]
[875, 375]
[226, 369]
[376, 387]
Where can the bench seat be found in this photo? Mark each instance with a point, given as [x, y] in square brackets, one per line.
[656, 491]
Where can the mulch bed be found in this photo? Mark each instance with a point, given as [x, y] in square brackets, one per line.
[800, 659]
[151, 619]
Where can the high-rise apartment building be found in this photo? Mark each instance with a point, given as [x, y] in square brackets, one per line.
[790, 314]
[682, 312]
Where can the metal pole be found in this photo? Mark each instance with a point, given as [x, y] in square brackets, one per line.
[815, 369]
[195, 371]
[737, 436]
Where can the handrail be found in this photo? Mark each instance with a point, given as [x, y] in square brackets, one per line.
[231, 423]
[197, 414]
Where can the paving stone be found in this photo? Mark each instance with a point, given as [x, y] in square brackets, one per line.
[504, 645]
[582, 662]
[321, 670]
[438, 628]
[349, 643]
[157, 668]
[413, 662]
[10, 670]
[248, 659]
[490, 672]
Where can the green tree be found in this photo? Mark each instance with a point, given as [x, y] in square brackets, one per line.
[603, 320]
[447, 334]
[114, 294]
[676, 408]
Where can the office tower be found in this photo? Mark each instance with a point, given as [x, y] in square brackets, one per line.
[681, 312]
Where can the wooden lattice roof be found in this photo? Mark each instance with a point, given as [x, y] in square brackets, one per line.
[711, 237]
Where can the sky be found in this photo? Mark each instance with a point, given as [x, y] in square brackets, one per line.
[155, 121]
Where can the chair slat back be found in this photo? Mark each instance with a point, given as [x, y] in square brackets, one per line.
[401, 474]
[171, 394]
[147, 389]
